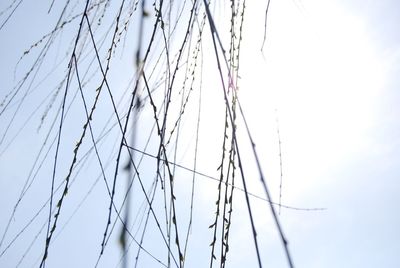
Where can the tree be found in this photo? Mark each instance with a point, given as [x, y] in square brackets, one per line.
[125, 105]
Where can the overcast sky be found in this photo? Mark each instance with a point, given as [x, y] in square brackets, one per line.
[326, 79]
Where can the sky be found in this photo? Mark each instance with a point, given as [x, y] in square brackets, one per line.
[326, 80]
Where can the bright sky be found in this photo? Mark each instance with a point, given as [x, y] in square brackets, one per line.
[326, 79]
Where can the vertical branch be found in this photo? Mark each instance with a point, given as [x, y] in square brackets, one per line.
[133, 137]
[265, 25]
[214, 35]
[50, 232]
[217, 203]
[280, 161]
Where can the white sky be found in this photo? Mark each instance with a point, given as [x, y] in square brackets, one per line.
[328, 73]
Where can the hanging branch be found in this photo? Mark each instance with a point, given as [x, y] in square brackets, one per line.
[59, 204]
[214, 225]
[215, 36]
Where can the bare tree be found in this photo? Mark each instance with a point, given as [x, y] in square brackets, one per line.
[126, 104]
